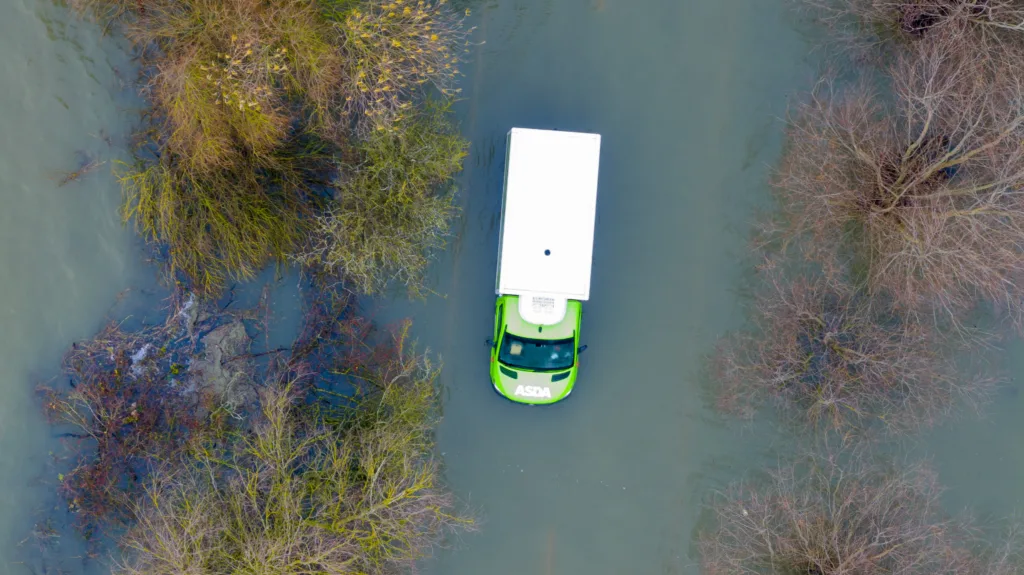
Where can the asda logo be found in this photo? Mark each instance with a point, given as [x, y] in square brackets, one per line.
[533, 391]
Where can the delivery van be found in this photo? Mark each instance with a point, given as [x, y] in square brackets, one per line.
[545, 251]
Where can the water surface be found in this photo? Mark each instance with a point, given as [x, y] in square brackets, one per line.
[687, 96]
[64, 255]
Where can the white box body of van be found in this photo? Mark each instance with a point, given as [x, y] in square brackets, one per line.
[549, 203]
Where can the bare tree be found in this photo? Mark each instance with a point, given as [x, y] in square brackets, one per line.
[835, 359]
[990, 25]
[922, 191]
[822, 518]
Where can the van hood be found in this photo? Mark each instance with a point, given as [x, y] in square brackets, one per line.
[533, 387]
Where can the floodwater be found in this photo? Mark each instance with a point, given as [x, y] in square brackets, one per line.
[687, 96]
[64, 255]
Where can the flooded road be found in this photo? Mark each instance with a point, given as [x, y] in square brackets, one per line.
[686, 95]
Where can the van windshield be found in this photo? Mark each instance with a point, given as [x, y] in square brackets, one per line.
[536, 354]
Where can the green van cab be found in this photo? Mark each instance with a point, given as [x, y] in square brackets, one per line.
[533, 363]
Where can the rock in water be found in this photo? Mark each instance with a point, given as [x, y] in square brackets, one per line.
[220, 371]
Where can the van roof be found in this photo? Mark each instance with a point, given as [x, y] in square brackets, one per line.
[523, 327]
[550, 201]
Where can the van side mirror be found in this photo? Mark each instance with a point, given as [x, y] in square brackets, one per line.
[489, 342]
[582, 349]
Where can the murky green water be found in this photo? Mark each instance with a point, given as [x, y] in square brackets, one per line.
[686, 94]
[64, 255]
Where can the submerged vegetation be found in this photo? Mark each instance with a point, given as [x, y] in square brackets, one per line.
[993, 28]
[387, 214]
[225, 224]
[264, 110]
[837, 360]
[922, 193]
[902, 200]
[137, 398]
[822, 517]
[899, 204]
[317, 459]
[346, 489]
[308, 131]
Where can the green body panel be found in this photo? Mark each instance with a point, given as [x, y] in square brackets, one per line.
[528, 386]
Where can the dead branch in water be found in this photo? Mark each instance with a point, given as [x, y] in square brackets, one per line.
[86, 167]
[136, 398]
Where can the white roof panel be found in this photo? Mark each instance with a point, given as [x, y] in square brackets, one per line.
[550, 201]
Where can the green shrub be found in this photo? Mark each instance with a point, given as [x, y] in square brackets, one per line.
[391, 49]
[389, 215]
[224, 224]
[231, 76]
[353, 489]
[234, 83]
